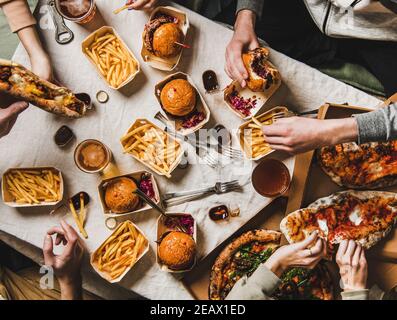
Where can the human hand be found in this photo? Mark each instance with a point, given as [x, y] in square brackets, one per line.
[244, 38]
[67, 266]
[299, 134]
[9, 115]
[352, 264]
[142, 4]
[41, 66]
[306, 253]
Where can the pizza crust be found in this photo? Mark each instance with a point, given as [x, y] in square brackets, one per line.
[296, 218]
[271, 237]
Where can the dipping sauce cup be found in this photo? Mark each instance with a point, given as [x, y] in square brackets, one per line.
[92, 156]
[271, 178]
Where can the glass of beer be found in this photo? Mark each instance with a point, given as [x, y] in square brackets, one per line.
[92, 156]
[79, 11]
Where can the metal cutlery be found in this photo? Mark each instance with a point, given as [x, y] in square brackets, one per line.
[174, 198]
[154, 205]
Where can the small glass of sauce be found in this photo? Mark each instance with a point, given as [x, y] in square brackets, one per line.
[92, 156]
[63, 136]
[271, 178]
[220, 212]
[210, 81]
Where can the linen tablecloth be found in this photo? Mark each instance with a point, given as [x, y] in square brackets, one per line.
[31, 141]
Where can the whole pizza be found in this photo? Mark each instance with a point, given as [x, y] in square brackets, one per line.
[363, 216]
[22, 84]
[365, 166]
[244, 255]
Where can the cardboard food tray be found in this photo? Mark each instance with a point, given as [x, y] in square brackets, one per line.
[201, 105]
[244, 125]
[135, 176]
[100, 32]
[8, 198]
[260, 97]
[140, 122]
[105, 275]
[161, 229]
[161, 63]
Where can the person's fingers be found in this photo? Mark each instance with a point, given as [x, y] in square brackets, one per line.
[254, 44]
[356, 256]
[278, 140]
[274, 130]
[317, 249]
[48, 250]
[349, 252]
[308, 241]
[341, 251]
[281, 147]
[59, 239]
[138, 4]
[363, 260]
[15, 109]
[227, 66]
[70, 233]
[54, 230]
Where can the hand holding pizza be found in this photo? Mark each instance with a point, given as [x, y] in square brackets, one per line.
[306, 253]
[299, 134]
[352, 265]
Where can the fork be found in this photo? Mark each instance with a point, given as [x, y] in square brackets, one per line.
[279, 115]
[208, 158]
[218, 188]
[181, 200]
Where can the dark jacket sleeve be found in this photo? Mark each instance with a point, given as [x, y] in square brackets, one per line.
[253, 5]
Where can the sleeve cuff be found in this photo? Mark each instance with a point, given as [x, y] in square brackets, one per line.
[18, 15]
[355, 295]
[371, 127]
[255, 6]
[260, 286]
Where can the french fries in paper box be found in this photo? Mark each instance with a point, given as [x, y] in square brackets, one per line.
[153, 147]
[162, 229]
[201, 105]
[250, 136]
[136, 176]
[158, 62]
[116, 256]
[109, 54]
[36, 186]
[244, 102]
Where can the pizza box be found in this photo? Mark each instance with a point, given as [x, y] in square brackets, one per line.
[257, 98]
[201, 105]
[140, 122]
[305, 190]
[8, 198]
[240, 133]
[161, 63]
[162, 229]
[104, 275]
[98, 33]
[136, 176]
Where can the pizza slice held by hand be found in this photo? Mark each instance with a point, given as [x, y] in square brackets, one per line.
[22, 84]
[363, 216]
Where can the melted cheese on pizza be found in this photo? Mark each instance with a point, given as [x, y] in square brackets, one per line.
[350, 218]
[360, 165]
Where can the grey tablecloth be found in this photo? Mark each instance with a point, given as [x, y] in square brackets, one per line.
[31, 144]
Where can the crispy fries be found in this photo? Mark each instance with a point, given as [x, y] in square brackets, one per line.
[36, 186]
[251, 136]
[152, 146]
[120, 251]
[113, 60]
